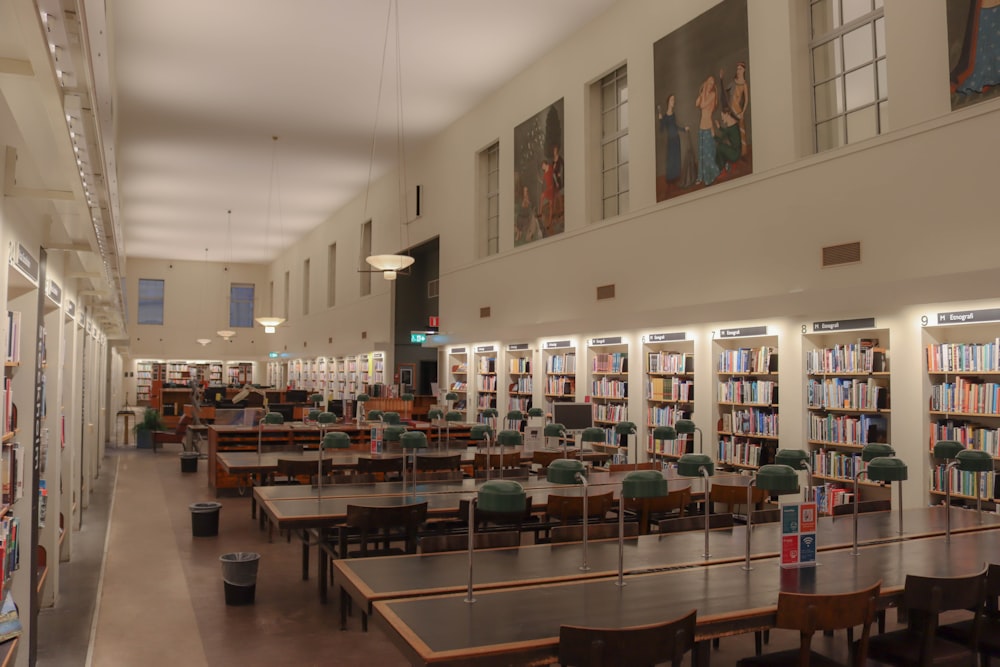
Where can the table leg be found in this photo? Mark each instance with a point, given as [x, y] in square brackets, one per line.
[305, 554]
[701, 656]
[322, 565]
[253, 499]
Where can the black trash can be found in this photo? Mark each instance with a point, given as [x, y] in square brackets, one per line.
[189, 461]
[205, 519]
[239, 576]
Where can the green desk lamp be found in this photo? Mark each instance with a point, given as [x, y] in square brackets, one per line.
[451, 416]
[624, 430]
[947, 450]
[483, 432]
[592, 435]
[376, 416]
[514, 417]
[434, 416]
[664, 433]
[572, 471]
[695, 465]
[968, 460]
[508, 438]
[326, 418]
[797, 459]
[489, 416]
[316, 400]
[407, 399]
[556, 431]
[637, 484]
[392, 418]
[336, 440]
[361, 399]
[495, 496]
[536, 412]
[273, 418]
[411, 441]
[892, 470]
[450, 399]
[312, 415]
[687, 427]
[774, 478]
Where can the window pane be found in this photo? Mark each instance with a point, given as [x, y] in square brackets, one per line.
[493, 247]
[826, 61]
[858, 47]
[861, 125]
[855, 8]
[492, 159]
[623, 117]
[608, 98]
[610, 155]
[623, 178]
[241, 297]
[494, 181]
[623, 149]
[880, 37]
[828, 100]
[494, 205]
[610, 123]
[883, 80]
[828, 135]
[150, 301]
[825, 17]
[860, 87]
[623, 202]
[883, 117]
[611, 182]
[610, 207]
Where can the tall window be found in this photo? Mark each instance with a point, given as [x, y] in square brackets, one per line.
[288, 291]
[614, 143]
[366, 251]
[241, 305]
[331, 275]
[850, 93]
[305, 287]
[150, 301]
[489, 198]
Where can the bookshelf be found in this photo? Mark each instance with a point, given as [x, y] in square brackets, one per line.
[669, 369]
[484, 359]
[608, 361]
[520, 381]
[239, 373]
[962, 361]
[847, 400]
[560, 371]
[747, 396]
[147, 372]
[376, 375]
[458, 376]
[339, 388]
[352, 387]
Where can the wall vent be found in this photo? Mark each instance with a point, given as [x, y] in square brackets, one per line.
[845, 253]
[605, 292]
[485, 311]
[432, 289]
[364, 335]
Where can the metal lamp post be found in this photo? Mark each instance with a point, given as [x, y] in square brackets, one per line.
[797, 459]
[636, 485]
[687, 427]
[556, 431]
[694, 465]
[484, 433]
[774, 478]
[572, 471]
[411, 441]
[507, 438]
[625, 429]
[495, 496]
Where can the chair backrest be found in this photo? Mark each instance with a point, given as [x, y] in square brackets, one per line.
[440, 476]
[735, 495]
[926, 597]
[373, 522]
[863, 506]
[627, 467]
[544, 457]
[303, 467]
[505, 460]
[627, 647]
[595, 531]
[765, 516]
[430, 544]
[356, 478]
[819, 613]
[570, 508]
[483, 517]
[695, 522]
[387, 467]
[427, 463]
[654, 508]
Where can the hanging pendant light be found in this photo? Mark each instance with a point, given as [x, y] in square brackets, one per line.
[201, 304]
[271, 322]
[226, 333]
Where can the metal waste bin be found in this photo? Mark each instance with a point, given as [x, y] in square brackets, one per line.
[205, 519]
[189, 461]
[239, 576]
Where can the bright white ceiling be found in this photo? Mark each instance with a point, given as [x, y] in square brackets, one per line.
[203, 85]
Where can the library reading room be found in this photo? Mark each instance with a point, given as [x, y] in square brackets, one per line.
[474, 333]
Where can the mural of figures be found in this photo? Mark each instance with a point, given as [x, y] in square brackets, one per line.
[703, 102]
[539, 210]
[973, 50]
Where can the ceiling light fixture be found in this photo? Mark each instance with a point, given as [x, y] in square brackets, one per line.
[271, 322]
[226, 334]
[391, 265]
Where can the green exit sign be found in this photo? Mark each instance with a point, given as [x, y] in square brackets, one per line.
[418, 338]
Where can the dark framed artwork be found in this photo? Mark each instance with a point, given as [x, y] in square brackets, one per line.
[701, 84]
[406, 374]
[973, 51]
[539, 175]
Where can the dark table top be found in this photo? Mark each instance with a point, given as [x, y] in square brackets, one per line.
[518, 624]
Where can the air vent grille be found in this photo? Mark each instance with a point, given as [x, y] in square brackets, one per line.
[485, 311]
[605, 292]
[845, 253]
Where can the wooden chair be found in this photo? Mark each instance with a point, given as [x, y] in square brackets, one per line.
[735, 496]
[487, 520]
[989, 632]
[863, 506]
[299, 471]
[637, 646]
[354, 478]
[696, 522]
[820, 613]
[629, 467]
[388, 469]
[651, 510]
[370, 527]
[430, 544]
[569, 509]
[427, 463]
[175, 436]
[765, 516]
[919, 643]
[595, 531]
[509, 461]
[543, 457]
[440, 476]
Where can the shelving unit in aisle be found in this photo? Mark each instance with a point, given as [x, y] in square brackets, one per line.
[560, 371]
[669, 390]
[485, 362]
[520, 381]
[458, 377]
[609, 383]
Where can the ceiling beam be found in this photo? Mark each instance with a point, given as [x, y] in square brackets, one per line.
[15, 66]
[11, 189]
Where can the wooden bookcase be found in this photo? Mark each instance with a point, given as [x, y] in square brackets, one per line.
[669, 368]
[520, 381]
[560, 371]
[747, 397]
[458, 376]
[608, 363]
[485, 362]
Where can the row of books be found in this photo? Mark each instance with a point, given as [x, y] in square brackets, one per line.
[832, 463]
[974, 437]
[670, 447]
[519, 365]
[610, 412]
[966, 396]
[828, 496]
[486, 401]
[522, 403]
[670, 362]
[560, 386]
[749, 360]
[486, 383]
[847, 393]
[13, 336]
[614, 362]
[487, 364]
[748, 391]
[739, 452]
[963, 482]
[522, 386]
[10, 548]
[667, 415]
[606, 388]
[847, 429]
[861, 357]
[9, 411]
[750, 422]
[458, 385]
[459, 368]
[561, 363]
[959, 357]
[670, 389]
[12, 473]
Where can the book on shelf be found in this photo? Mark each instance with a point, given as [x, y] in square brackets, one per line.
[10, 629]
[8, 611]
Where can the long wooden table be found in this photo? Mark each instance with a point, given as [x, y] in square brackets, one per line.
[368, 580]
[521, 625]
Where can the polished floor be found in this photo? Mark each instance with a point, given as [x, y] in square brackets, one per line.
[140, 591]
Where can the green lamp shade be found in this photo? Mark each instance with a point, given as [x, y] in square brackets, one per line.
[480, 432]
[413, 440]
[684, 426]
[451, 396]
[316, 399]
[336, 440]
[644, 484]
[393, 433]
[375, 415]
[887, 469]
[273, 418]
[501, 496]
[515, 415]
[391, 418]
[592, 434]
[434, 414]
[565, 471]
[362, 398]
[690, 465]
[509, 438]
[777, 478]
[876, 450]
[454, 416]
[947, 449]
[554, 430]
[536, 412]
[489, 412]
[625, 428]
[408, 398]
[313, 415]
[794, 458]
[326, 418]
[664, 433]
[974, 460]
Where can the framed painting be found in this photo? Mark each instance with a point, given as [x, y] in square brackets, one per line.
[973, 51]
[539, 176]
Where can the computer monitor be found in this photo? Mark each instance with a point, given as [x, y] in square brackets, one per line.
[574, 416]
[296, 396]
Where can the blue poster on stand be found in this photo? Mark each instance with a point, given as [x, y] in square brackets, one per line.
[798, 535]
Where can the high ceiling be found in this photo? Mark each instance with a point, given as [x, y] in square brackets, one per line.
[201, 88]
